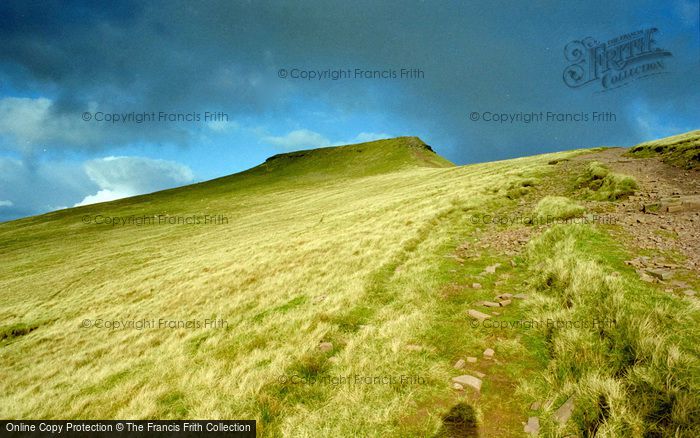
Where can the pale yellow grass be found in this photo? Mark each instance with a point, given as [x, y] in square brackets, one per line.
[279, 245]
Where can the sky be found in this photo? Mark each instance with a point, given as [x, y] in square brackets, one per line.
[100, 101]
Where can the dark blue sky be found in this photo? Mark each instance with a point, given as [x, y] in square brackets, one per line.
[61, 60]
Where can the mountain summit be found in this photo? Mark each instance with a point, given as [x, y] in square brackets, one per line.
[359, 159]
[332, 163]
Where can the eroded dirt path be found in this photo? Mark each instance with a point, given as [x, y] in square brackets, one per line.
[667, 244]
[646, 217]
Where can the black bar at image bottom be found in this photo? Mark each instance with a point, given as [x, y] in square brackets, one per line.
[130, 428]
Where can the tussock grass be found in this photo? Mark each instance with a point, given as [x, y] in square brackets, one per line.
[551, 208]
[347, 246]
[347, 254]
[519, 188]
[634, 372]
[603, 185]
[16, 330]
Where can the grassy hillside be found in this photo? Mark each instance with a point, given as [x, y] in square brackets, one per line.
[679, 150]
[353, 263]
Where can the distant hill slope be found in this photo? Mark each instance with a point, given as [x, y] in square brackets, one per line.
[351, 161]
[292, 169]
[681, 150]
[358, 159]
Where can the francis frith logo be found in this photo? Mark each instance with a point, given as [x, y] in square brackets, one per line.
[616, 62]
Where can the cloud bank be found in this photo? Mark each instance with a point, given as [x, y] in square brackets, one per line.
[121, 177]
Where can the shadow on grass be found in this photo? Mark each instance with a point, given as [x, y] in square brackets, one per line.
[459, 422]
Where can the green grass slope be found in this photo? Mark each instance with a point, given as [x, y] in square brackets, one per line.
[336, 163]
[681, 150]
[361, 159]
[365, 255]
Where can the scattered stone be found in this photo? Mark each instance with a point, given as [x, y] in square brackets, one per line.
[460, 364]
[488, 353]
[478, 315]
[476, 285]
[513, 264]
[533, 426]
[492, 269]
[471, 359]
[638, 262]
[676, 205]
[467, 380]
[520, 296]
[489, 304]
[504, 296]
[535, 406]
[505, 303]
[661, 274]
[644, 276]
[319, 298]
[414, 347]
[689, 292]
[457, 386]
[325, 346]
[563, 414]
[479, 374]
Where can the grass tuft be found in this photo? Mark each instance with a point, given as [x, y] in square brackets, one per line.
[624, 351]
[552, 208]
[12, 331]
[600, 184]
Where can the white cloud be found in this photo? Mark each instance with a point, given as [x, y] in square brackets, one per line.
[105, 196]
[223, 126]
[307, 139]
[121, 177]
[31, 123]
[299, 139]
[364, 137]
[6, 204]
[40, 187]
